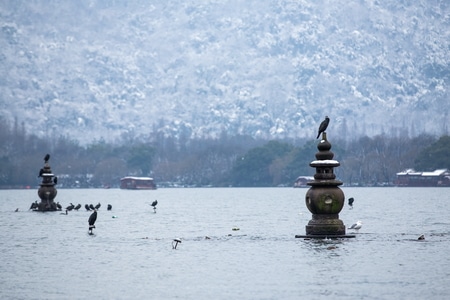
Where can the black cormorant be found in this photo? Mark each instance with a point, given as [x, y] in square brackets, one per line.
[350, 201]
[55, 180]
[58, 205]
[70, 207]
[46, 158]
[175, 243]
[91, 206]
[91, 221]
[41, 171]
[323, 126]
[154, 203]
[109, 207]
[34, 205]
[97, 206]
[77, 207]
[87, 207]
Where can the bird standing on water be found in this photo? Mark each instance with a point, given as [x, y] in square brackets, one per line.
[350, 202]
[154, 203]
[91, 221]
[323, 126]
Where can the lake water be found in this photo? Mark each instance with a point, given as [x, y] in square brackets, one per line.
[130, 256]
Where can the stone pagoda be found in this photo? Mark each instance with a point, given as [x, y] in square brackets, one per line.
[47, 191]
[325, 199]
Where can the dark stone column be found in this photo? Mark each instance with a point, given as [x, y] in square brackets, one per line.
[47, 191]
[325, 199]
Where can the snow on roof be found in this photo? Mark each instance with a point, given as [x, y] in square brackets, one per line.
[437, 172]
[411, 172]
[136, 178]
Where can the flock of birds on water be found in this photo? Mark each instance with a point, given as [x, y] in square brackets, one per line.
[93, 216]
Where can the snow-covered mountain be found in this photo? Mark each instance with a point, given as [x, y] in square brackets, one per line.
[92, 69]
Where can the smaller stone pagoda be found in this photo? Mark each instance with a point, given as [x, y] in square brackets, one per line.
[47, 191]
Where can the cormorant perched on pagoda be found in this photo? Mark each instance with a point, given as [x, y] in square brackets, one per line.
[46, 158]
[323, 126]
[34, 205]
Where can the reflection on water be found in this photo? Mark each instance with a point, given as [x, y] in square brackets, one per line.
[51, 256]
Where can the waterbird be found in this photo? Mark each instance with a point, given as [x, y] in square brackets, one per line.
[109, 207]
[58, 205]
[87, 207]
[34, 205]
[323, 126]
[70, 207]
[55, 180]
[41, 171]
[91, 221]
[17, 209]
[98, 206]
[357, 226]
[175, 243]
[154, 203]
[46, 158]
[350, 201]
[422, 237]
[77, 207]
[91, 207]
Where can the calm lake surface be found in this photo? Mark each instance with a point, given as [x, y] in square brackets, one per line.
[130, 256]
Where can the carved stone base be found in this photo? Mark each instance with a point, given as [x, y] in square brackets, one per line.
[325, 225]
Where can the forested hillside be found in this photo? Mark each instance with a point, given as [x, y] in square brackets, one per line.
[226, 161]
